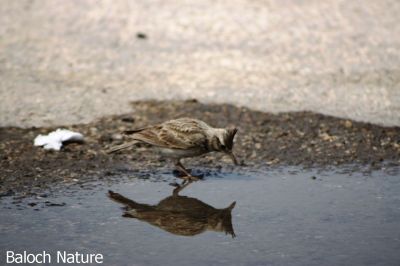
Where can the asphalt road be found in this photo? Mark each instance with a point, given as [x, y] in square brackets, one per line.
[65, 62]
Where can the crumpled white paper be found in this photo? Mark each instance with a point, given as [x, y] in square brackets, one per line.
[54, 140]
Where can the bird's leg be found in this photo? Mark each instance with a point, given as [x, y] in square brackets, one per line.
[180, 187]
[187, 176]
[181, 168]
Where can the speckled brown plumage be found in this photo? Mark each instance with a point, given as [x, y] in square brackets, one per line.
[179, 215]
[184, 137]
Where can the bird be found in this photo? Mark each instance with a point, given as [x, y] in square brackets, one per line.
[181, 138]
[179, 215]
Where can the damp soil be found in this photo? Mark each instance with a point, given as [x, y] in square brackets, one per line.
[302, 139]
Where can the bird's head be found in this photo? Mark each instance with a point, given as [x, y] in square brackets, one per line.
[222, 141]
[221, 220]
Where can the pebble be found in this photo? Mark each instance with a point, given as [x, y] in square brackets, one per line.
[141, 35]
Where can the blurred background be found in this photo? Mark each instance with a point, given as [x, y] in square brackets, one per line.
[64, 62]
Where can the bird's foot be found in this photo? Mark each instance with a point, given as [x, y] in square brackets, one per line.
[180, 187]
[174, 184]
[188, 175]
[191, 178]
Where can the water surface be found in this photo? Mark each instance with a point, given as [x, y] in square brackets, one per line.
[281, 217]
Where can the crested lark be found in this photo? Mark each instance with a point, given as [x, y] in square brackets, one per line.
[179, 215]
[182, 138]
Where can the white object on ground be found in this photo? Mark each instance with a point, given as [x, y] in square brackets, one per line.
[54, 140]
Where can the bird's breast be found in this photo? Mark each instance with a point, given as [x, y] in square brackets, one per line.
[179, 153]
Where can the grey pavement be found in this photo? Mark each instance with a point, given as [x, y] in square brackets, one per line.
[64, 62]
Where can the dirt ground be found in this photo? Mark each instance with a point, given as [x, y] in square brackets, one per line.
[264, 140]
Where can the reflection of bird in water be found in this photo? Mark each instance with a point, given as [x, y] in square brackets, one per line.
[179, 215]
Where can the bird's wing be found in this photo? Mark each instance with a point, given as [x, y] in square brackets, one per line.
[175, 134]
[178, 223]
[122, 147]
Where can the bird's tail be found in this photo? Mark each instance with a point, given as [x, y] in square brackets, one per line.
[130, 204]
[122, 147]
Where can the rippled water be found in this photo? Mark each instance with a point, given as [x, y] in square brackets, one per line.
[281, 217]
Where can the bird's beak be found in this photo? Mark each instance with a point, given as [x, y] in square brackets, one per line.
[234, 160]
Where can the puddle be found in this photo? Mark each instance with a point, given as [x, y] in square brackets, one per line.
[281, 217]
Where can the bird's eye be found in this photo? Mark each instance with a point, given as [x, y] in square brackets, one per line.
[223, 147]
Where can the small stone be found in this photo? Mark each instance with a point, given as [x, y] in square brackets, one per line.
[274, 161]
[192, 100]
[348, 124]
[338, 144]
[327, 137]
[141, 35]
[128, 119]
[53, 204]
[117, 136]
